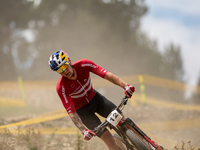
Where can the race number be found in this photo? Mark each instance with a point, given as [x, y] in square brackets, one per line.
[114, 118]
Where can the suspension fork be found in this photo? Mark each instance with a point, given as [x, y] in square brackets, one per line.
[122, 133]
[132, 124]
[148, 139]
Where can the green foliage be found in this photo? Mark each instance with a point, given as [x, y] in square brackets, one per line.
[13, 19]
[173, 62]
[195, 97]
[198, 82]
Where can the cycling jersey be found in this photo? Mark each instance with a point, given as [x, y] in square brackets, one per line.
[74, 94]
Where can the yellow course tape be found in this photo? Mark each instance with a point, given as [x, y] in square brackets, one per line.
[167, 104]
[171, 125]
[46, 117]
[8, 102]
[171, 84]
[147, 127]
[45, 130]
[156, 126]
[62, 113]
[98, 82]
[163, 141]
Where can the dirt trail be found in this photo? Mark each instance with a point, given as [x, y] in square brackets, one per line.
[154, 120]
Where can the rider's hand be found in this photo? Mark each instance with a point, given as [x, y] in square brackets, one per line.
[88, 134]
[129, 90]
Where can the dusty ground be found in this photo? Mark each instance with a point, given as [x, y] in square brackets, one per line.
[42, 101]
[142, 114]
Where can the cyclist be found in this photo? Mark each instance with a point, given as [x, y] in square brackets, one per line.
[80, 100]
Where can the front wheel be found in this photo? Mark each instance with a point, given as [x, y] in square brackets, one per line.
[120, 142]
[136, 140]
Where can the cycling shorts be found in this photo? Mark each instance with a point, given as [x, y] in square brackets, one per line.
[99, 104]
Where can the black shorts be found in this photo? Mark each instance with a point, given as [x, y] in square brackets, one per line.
[99, 104]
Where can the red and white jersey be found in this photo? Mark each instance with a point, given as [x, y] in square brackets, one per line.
[74, 94]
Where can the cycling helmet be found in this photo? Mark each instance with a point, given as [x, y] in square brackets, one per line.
[58, 59]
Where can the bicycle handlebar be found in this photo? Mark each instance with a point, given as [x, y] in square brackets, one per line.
[123, 102]
[105, 123]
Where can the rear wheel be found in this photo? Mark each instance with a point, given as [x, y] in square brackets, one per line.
[136, 140]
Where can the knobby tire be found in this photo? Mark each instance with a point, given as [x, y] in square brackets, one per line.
[120, 142]
[136, 140]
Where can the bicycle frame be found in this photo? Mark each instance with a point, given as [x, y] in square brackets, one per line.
[120, 128]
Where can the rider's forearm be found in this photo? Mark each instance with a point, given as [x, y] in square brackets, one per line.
[115, 79]
[77, 121]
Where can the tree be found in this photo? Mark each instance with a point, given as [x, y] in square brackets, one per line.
[198, 89]
[108, 33]
[88, 28]
[195, 97]
[173, 63]
[14, 18]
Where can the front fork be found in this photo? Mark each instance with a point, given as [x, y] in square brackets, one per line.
[132, 124]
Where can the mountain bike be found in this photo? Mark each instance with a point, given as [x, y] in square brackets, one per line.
[128, 134]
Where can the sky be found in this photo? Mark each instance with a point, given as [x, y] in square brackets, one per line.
[176, 22]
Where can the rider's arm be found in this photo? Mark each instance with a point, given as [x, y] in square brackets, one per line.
[87, 134]
[98, 70]
[92, 67]
[115, 79]
[129, 89]
[77, 121]
[65, 98]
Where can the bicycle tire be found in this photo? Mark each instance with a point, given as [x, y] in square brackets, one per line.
[120, 142]
[136, 140]
[119, 138]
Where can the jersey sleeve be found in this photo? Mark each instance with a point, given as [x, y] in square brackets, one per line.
[94, 68]
[66, 99]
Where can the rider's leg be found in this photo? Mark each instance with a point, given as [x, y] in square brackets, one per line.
[110, 141]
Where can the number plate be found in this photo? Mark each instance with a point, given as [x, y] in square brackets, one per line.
[114, 117]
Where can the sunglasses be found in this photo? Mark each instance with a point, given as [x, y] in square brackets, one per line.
[63, 67]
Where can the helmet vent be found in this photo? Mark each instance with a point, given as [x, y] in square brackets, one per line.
[55, 63]
[63, 58]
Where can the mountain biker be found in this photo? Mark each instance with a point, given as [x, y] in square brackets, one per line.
[80, 100]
